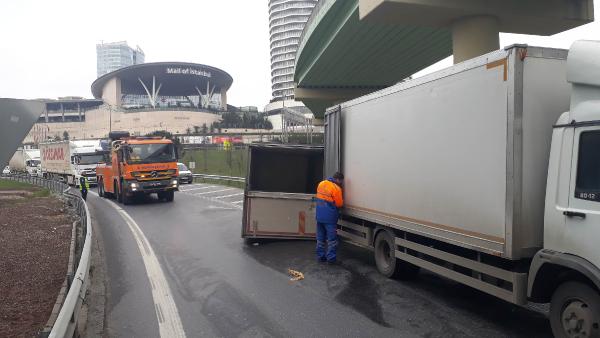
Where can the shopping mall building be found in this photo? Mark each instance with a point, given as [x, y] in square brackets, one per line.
[171, 96]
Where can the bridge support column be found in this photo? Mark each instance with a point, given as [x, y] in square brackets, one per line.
[475, 35]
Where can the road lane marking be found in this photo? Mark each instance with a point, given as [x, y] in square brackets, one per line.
[169, 322]
[238, 194]
[205, 187]
[227, 205]
[212, 192]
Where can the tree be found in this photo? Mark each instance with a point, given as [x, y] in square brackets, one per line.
[57, 138]
[212, 128]
[246, 121]
[196, 130]
[66, 135]
[204, 129]
[188, 131]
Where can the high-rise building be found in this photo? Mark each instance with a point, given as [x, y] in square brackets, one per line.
[116, 55]
[286, 22]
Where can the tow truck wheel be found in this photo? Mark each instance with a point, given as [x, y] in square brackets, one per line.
[123, 194]
[100, 188]
[386, 261]
[117, 193]
[575, 311]
[169, 196]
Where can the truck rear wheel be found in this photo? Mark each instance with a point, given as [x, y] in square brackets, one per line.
[117, 193]
[575, 311]
[100, 188]
[386, 261]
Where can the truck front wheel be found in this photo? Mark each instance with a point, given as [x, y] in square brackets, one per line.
[100, 188]
[386, 261]
[575, 311]
[123, 194]
[168, 196]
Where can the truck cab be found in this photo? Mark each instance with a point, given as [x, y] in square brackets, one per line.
[566, 272]
[139, 166]
[33, 166]
[85, 156]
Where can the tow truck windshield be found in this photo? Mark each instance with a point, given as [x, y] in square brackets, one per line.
[151, 153]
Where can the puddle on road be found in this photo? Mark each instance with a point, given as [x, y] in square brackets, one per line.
[344, 283]
[361, 295]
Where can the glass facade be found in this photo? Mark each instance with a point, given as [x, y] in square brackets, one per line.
[286, 22]
[116, 55]
[132, 101]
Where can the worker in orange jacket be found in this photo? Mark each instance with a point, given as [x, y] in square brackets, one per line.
[329, 199]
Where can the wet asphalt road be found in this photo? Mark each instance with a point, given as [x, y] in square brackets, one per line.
[224, 287]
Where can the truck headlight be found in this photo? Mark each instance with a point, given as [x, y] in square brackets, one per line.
[133, 185]
[174, 183]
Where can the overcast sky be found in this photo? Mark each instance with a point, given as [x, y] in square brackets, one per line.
[48, 47]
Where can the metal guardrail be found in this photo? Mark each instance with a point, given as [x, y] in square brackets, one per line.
[68, 317]
[220, 178]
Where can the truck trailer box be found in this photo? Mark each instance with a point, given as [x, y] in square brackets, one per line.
[25, 160]
[280, 186]
[460, 155]
[56, 157]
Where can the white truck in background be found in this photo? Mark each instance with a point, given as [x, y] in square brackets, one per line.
[487, 173]
[69, 160]
[26, 161]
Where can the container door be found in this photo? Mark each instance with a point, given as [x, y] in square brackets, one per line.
[279, 215]
[281, 184]
[583, 215]
[333, 129]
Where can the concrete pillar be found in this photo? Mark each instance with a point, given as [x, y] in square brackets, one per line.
[111, 93]
[62, 111]
[224, 99]
[473, 36]
[79, 110]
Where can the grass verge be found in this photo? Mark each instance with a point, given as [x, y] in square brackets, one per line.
[35, 192]
[217, 161]
[13, 185]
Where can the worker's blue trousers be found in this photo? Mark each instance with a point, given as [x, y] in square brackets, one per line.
[326, 237]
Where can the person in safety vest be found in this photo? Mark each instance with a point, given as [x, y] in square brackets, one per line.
[84, 186]
[329, 199]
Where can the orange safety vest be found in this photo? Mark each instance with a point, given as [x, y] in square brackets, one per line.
[330, 192]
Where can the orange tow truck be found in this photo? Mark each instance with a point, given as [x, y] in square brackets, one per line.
[138, 166]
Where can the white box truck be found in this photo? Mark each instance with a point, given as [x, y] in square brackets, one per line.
[487, 173]
[69, 160]
[26, 161]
